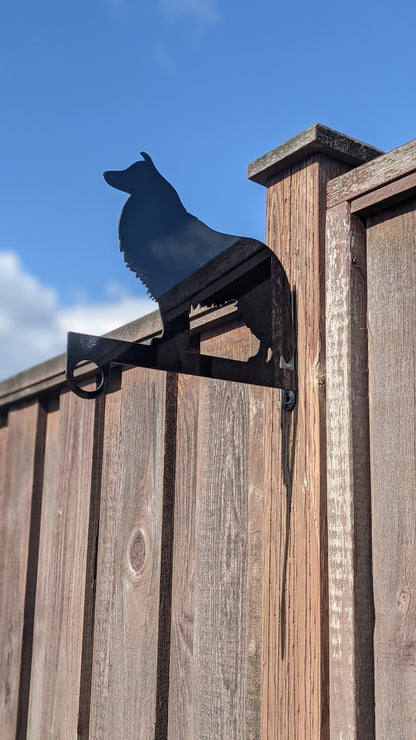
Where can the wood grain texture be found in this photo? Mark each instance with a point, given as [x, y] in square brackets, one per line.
[123, 695]
[183, 671]
[391, 245]
[379, 172]
[295, 627]
[216, 609]
[222, 568]
[19, 501]
[255, 549]
[386, 196]
[58, 633]
[90, 572]
[349, 503]
[222, 564]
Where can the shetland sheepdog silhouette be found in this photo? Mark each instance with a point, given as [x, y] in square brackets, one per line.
[164, 244]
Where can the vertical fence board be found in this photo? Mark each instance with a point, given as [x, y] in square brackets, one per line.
[221, 637]
[216, 641]
[16, 507]
[183, 671]
[221, 596]
[123, 695]
[348, 464]
[257, 482]
[90, 573]
[57, 649]
[392, 320]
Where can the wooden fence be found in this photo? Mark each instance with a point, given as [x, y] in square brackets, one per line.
[182, 558]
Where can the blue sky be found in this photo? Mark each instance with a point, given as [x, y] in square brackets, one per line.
[205, 87]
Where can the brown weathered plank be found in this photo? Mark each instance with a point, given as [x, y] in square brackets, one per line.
[349, 521]
[224, 575]
[20, 504]
[182, 680]
[255, 565]
[385, 196]
[375, 174]
[391, 245]
[295, 673]
[90, 573]
[123, 696]
[58, 632]
[216, 608]
[222, 524]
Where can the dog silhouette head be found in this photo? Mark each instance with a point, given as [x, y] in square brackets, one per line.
[144, 182]
[162, 243]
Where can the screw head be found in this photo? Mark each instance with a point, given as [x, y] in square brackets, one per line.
[288, 400]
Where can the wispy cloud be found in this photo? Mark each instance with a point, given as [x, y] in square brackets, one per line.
[202, 10]
[200, 17]
[33, 325]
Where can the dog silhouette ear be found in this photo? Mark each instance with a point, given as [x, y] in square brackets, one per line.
[146, 157]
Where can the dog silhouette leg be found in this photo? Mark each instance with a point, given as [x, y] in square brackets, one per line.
[261, 356]
[173, 343]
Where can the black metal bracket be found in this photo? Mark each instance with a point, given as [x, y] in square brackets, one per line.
[162, 244]
[105, 352]
[248, 272]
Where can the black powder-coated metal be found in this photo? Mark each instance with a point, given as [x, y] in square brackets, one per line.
[184, 263]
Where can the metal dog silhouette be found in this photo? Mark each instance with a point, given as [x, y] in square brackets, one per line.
[164, 244]
[184, 264]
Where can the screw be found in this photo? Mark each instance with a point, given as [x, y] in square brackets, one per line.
[288, 400]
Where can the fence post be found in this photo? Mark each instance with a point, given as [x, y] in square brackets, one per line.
[295, 595]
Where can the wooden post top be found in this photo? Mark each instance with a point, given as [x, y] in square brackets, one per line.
[316, 139]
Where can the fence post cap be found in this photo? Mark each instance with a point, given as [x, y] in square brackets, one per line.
[316, 139]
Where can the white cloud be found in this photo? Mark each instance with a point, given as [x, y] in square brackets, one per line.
[203, 10]
[33, 326]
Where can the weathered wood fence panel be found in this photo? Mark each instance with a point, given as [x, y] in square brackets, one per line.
[349, 521]
[22, 487]
[217, 559]
[183, 559]
[391, 245]
[59, 612]
[371, 322]
[124, 676]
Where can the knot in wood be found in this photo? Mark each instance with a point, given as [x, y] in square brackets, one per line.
[137, 551]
